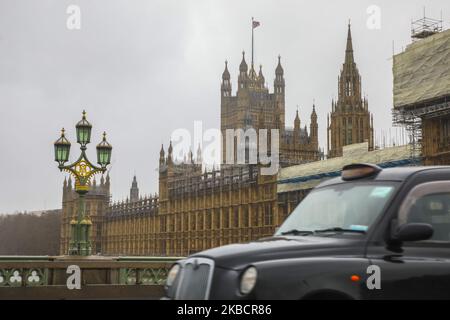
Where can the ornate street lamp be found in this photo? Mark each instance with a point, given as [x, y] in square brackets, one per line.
[83, 131]
[104, 152]
[62, 149]
[82, 170]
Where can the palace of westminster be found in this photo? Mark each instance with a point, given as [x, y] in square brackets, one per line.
[197, 209]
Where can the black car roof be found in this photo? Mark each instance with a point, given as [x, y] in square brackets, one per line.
[389, 174]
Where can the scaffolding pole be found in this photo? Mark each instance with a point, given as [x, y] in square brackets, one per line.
[413, 126]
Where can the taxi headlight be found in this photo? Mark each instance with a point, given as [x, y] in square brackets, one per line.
[248, 280]
[172, 275]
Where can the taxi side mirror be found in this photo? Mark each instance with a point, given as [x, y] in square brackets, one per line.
[413, 232]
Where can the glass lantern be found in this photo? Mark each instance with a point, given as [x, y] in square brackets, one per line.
[62, 149]
[83, 131]
[104, 152]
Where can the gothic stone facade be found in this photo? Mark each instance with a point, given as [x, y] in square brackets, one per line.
[254, 107]
[197, 210]
[351, 121]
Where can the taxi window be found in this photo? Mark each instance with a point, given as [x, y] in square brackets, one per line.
[429, 203]
[353, 206]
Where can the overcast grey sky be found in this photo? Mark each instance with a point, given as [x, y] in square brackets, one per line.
[144, 68]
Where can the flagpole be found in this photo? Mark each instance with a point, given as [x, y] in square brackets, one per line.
[252, 41]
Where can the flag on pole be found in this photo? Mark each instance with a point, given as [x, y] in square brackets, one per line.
[255, 24]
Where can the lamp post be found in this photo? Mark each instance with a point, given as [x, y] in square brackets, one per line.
[82, 170]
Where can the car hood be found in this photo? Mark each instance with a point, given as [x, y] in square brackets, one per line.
[238, 256]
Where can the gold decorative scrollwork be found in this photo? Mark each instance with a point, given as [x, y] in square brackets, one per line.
[83, 169]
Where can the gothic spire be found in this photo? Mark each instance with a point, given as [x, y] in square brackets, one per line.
[261, 78]
[278, 83]
[349, 48]
[243, 66]
[226, 83]
[199, 159]
[252, 73]
[279, 70]
[226, 73]
[169, 154]
[348, 103]
[170, 149]
[134, 191]
[313, 113]
[243, 75]
[296, 121]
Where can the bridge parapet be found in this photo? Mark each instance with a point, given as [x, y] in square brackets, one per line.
[47, 276]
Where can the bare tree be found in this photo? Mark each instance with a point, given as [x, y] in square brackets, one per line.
[30, 234]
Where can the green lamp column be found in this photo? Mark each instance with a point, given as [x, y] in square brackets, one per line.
[82, 170]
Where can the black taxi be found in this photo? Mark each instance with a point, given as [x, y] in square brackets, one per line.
[371, 233]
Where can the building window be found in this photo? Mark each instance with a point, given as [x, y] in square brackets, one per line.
[255, 216]
[445, 129]
[226, 219]
[193, 221]
[200, 221]
[208, 220]
[163, 223]
[186, 222]
[217, 219]
[268, 191]
[245, 216]
[349, 131]
[361, 135]
[268, 214]
[163, 247]
[179, 223]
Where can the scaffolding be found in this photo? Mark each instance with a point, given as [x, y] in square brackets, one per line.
[421, 82]
[411, 118]
[425, 27]
[413, 126]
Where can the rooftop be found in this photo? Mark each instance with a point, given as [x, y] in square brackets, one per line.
[307, 176]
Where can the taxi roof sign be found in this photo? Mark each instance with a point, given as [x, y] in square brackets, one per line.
[359, 170]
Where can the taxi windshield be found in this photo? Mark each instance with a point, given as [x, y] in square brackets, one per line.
[346, 207]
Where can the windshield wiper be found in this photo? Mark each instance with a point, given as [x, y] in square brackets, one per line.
[297, 232]
[339, 229]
